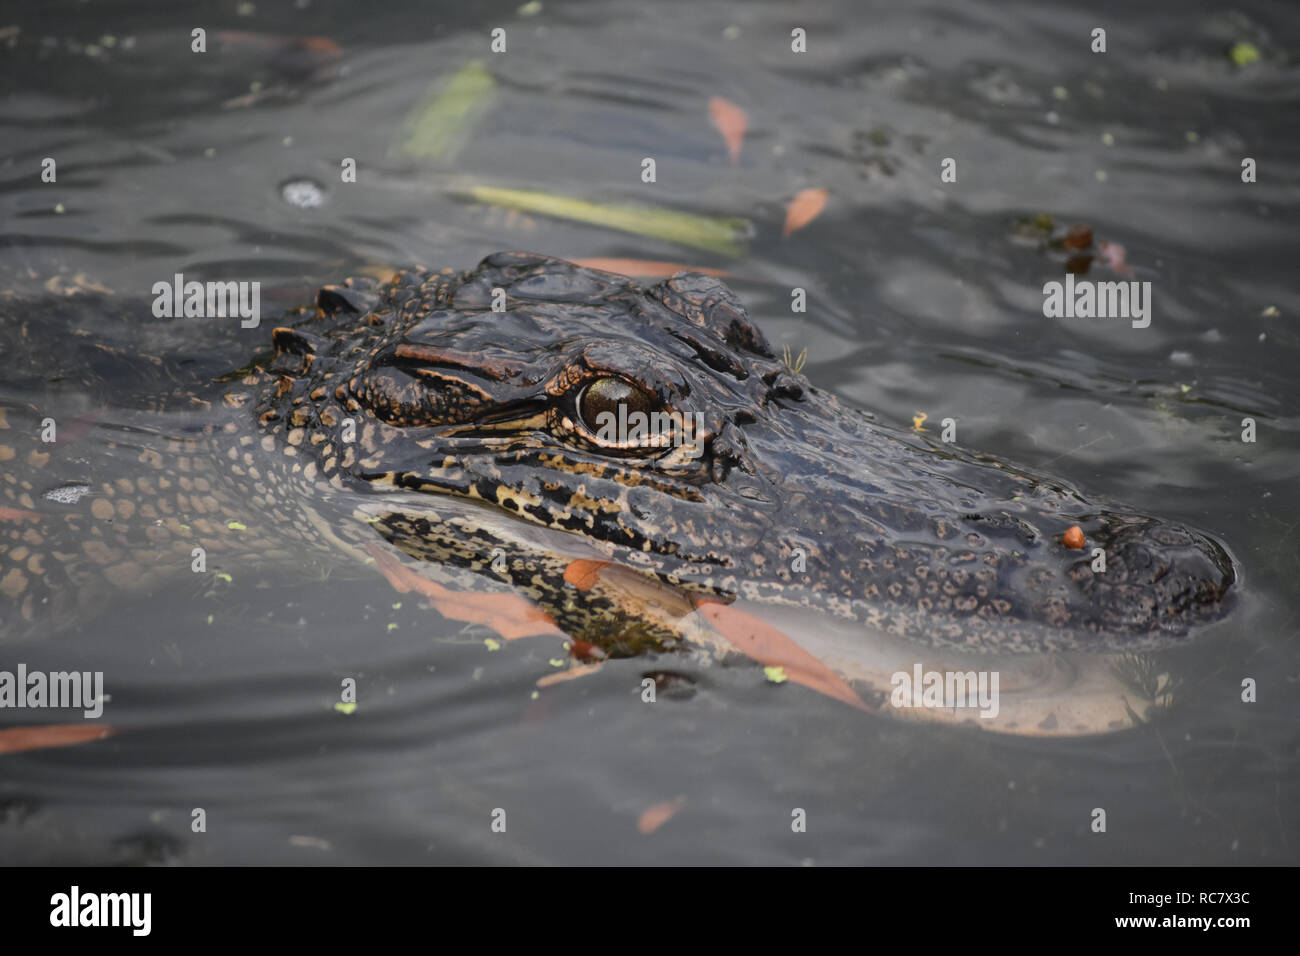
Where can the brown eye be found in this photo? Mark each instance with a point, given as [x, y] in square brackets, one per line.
[604, 396]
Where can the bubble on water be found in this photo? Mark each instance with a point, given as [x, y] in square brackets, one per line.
[68, 494]
[303, 193]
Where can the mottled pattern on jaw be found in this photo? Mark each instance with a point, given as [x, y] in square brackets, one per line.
[795, 498]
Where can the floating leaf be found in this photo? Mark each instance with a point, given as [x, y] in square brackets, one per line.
[447, 114]
[803, 209]
[762, 642]
[721, 235]
[1115, 256]
[1243, 54]
[17, 739]
[1078, 237]
[776, 675]
[573, 673]
[510, 615]
[656, 815]
[583, 573]
[349, 708]
[731, 121]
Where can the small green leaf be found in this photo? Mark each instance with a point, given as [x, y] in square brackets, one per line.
[222, 575]
[236, 526]
[492, 643]
[776, 674]
[343, 708]
[1243, 53]
[721, 235]
[448, 112]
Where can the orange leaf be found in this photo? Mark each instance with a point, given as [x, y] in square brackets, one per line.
[653, 817]
[571, 674]
[17, 739]
[646, 268]
[770, 647]
[323, 45]
[510, 615]
[804, 208]
[17, 514]
[583, 574]
[731, 122]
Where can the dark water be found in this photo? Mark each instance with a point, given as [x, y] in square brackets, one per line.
[923, 297]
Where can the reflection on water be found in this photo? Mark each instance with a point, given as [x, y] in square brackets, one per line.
[923, 296]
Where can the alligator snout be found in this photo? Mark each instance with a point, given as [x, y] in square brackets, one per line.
[1152, 575]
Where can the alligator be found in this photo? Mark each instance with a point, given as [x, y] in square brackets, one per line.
[448, 428]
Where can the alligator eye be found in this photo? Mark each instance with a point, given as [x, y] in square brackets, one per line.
[602, 398]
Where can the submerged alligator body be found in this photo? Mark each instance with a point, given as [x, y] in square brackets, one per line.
[472, 439]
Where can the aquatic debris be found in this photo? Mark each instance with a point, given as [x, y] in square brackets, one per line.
[794, 363]
[17, 739]
[573, 673]
[444, 118]
[583, 573]
[303, 193]
[1243, 54]
[657, 814]
[731, 121]
[803, 209]
[1073, 538]
[716, 234]
[510, 615]
[760, 641]
[1078, 237]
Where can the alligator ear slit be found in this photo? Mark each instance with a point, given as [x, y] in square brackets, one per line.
[296, 341]
[334, 299]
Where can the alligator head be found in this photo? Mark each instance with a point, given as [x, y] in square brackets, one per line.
[658, 424]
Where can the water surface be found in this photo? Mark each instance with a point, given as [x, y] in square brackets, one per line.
[924, 297]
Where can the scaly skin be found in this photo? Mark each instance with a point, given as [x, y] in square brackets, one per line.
[447, 397]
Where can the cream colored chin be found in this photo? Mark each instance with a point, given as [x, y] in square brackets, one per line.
[1059, 694]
